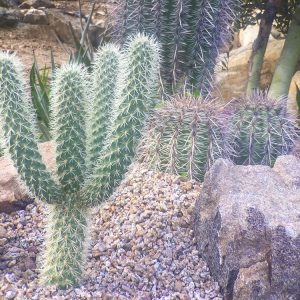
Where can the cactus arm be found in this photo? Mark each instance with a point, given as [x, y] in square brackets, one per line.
[18, 126]
[103, 93]
[287, 63]
[66, 236]
[134, 102]
[210, 36]
[68, 104]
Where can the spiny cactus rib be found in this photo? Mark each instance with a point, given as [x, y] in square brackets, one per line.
[19, 131]
[263, 130]
[186, 136]
[134, 100]
[211, 34]
[191, 34]
[65, 245]
[103, 93]
[68, 104]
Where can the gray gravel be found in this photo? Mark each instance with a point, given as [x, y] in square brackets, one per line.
[142, 246]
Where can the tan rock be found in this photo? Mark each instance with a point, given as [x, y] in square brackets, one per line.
[232, 82]
[292, 104]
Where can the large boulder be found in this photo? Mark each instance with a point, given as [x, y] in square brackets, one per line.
[247, 226]
[13, 193]
[232, 82]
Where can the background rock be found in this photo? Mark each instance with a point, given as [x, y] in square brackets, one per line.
[247, 225]
[35, 17]
[233, 81]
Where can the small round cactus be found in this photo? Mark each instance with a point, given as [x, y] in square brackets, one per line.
[186, 136]
[263, 130]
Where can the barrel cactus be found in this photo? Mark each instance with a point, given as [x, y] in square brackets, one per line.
[263, 130]
[186, 136]
[191, 33]
[88, 167]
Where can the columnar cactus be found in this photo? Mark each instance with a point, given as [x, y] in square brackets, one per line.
[185, 137]
[263, 130]
[88, 167]
[191, 33]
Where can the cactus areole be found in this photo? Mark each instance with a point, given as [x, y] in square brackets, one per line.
[96, 128]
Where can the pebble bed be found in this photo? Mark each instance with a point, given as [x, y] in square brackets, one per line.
[142, 246]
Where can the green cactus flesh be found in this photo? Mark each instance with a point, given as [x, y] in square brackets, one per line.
[133, 103]
[103, 93]
[68, 124]
[18, 128]
[185, 137]
[65, 245]
[191, 33]
[263, 130]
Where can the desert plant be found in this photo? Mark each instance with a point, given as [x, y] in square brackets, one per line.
[78, 184]
[191, 34]
[186, 136]
[263, 130]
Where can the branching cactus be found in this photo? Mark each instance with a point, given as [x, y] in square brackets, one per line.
[191, 33]
[185, 137]
[263, 130]
[95, 141]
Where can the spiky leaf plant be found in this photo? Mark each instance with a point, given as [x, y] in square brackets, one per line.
[263, 130]
[191, 33]
[186, 136]
[88, 168]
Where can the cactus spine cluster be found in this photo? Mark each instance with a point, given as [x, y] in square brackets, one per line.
[88, 167]
[191, 34]
[263, 130]
[186, 136]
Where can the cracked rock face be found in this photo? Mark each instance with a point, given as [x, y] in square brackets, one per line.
[247, 226]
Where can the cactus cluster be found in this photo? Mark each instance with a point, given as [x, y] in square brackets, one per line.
[191, 33]
[96, 128]
[187, 135]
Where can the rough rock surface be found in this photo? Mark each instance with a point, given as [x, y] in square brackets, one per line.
[233, 81]
[35, 17]
[37, 4]
[8, 17]
[142, 246]
[247, 226]
[13, 193]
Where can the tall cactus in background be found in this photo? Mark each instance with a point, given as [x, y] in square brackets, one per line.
[263, 130]
[186, 136]
[191, 34]
[83, 179]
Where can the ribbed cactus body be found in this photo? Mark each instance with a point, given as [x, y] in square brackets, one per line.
[103, 92]
[66, 241]
[186, 136]
[18, 127]
[134, 101]
[263, 130]
[191, 34]
[123, 86]
[68, 104]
